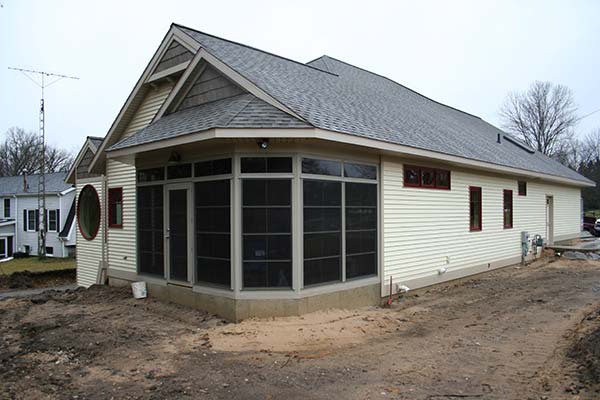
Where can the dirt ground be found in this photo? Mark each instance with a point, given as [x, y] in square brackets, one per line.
[34, 280]
[518, 333]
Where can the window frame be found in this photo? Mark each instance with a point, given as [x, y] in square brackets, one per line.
[111, 213]
[343, 179]
[420, 169]
[7, 207]
[472, 227]
[524, 191]
[509, 224]
[56, 221]
[31, 212]
[97, 228]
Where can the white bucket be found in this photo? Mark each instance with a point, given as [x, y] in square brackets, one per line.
[139, 290]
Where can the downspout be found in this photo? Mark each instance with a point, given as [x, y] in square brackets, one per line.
[105, 224]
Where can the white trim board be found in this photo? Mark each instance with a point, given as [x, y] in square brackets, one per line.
[386, 148]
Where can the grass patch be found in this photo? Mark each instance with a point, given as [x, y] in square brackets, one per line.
[592, 213]
[33, 264]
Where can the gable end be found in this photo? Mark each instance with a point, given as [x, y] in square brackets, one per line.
[176, 54]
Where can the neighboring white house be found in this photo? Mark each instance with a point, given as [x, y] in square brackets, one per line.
[248, 184]
[19, 222]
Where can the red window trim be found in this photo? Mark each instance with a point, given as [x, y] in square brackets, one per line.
[420, 183]
[474, 228]
[519, 188]
[504, 193]
[111, 192]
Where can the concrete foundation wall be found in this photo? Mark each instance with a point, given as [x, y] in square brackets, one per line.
[240, 309]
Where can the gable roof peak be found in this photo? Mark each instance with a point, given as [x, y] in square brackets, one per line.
[248, 47]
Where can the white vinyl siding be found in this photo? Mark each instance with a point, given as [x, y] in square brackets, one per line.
[89, 252]
[122, 173]
[425, 230]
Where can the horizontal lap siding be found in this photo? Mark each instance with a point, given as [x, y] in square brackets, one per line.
[423, 228]
[122, 241]
[89, 252]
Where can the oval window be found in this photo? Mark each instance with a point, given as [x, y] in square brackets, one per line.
[88, 212]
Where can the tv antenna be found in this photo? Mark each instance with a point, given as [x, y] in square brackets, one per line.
[41, 195]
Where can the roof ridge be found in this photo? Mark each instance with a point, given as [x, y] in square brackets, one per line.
[256, 49]
[399, 84]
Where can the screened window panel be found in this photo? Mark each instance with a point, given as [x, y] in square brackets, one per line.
[151, 174]
[361, 229]
[321, 167]
[266, 232]
[322, 231]
[352, 170]
[271, 165]
[179, 171]
[213, 232]
[213, 167]
[150, 229]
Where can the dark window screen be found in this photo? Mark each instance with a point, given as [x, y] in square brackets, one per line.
[271, 165]
[150, 229]
[361, 229]
[267, 233]
[213, 232]
[322, 231]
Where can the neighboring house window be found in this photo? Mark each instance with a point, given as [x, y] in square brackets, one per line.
[30, 220]
[88, 212]
[508, 209]
[115, 207]
[6, 208]
[522, 188]
[53, 218]
[475, 208]
[426, 177]
[50, 251]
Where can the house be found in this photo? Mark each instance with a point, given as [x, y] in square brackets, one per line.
[248, 184]
[19, 224]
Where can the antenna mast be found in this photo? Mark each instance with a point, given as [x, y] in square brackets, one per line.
[42, 143]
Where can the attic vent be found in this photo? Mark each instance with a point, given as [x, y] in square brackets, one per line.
[499, 140]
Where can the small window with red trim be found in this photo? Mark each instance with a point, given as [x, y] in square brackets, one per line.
[115, 207]
[508, 209]
[412, 176]
[428, 178]
[475, 208]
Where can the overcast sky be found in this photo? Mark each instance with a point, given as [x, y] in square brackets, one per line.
[467, 54]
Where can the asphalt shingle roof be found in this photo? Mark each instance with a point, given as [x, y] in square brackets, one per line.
[13, 185]
[242, 111]
[336, 96]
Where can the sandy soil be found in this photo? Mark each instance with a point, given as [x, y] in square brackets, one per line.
[518, 333]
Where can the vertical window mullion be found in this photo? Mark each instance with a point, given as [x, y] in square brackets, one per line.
[343, 255]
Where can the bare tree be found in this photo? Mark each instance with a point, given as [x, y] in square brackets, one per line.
[21, 151]
[543, 117]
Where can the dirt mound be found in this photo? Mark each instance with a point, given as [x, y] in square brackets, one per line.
[585, 351]
[27, 279]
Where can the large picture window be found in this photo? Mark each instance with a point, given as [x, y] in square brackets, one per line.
[267, 233]
[322, 231]
[213, 232]
[88, 212]
[150, 229]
